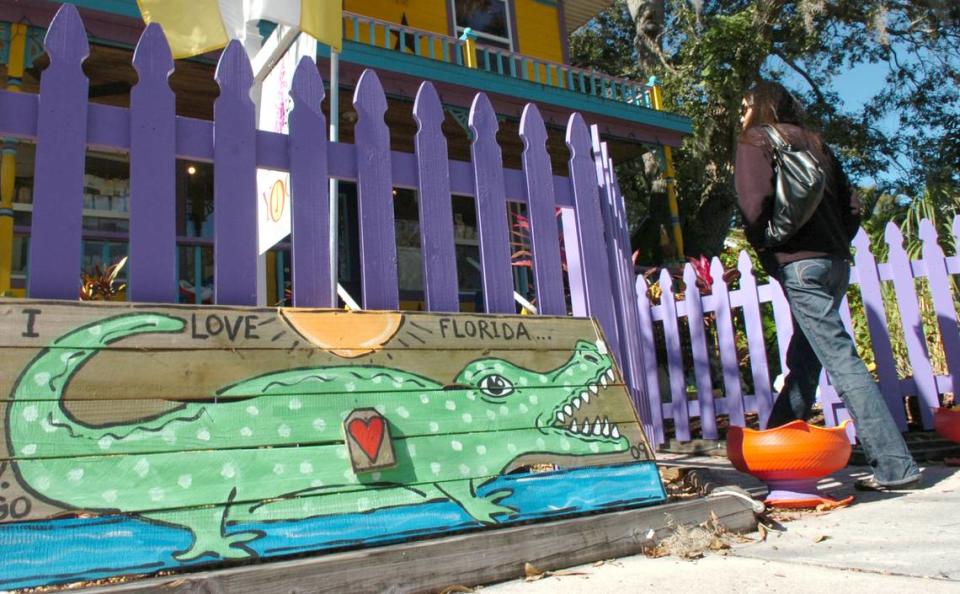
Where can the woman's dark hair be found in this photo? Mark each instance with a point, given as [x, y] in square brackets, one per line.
[771, 103]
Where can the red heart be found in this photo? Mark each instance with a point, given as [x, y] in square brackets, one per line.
[368, 435]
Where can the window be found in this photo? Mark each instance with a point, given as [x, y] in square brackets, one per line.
[489, 19]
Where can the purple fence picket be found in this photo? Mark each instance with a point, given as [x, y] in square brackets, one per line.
[943, 300]
[625, 296]
[671, 333]
[648, 350]
[755, 343]
[435, 206]
[541, 213]
[309, 190]
[586, 200]
[575, 273]
[491, 204]
[60, 161]
[909, 306]
[701, 359]
[868, 279]
[153, 161]
[727, 346]
[783, 321]
[234, 181]
[378, 245]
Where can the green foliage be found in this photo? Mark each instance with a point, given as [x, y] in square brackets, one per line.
[711, 51]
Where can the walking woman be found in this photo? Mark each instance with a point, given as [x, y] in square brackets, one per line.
[813, 266]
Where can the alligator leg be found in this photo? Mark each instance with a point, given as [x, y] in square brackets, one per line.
[208, 526]
[480, 508]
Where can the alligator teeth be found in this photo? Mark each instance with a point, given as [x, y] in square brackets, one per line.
[585, 396]
[577, 403]
[610, 375]
[560, 417]
[603, 381]
[568, 410]
[597, 429]
[615, 433]
[573, 426]
[586, 427]
[606, 428]
[593, 388]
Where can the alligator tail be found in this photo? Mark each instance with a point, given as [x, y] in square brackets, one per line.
[35, 417]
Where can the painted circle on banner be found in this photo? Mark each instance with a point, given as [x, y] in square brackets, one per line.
[277, 201]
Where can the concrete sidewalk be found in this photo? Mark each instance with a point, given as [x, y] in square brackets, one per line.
[883, 543]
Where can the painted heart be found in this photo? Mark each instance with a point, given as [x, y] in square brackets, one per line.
[368, 435]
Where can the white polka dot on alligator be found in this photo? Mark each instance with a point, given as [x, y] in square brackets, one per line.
[47, 427]
[29, 449]
[504, 411]
[424, 399]
[75, 475]
[467, 418]
[498, 366]
[253, 411]
[594, 448]
[156, 494]
[30, 413]
[142, 467]
[564, 444]
[316, 483]
[95, 330]
[523, 408]
[185, 481]
[481, 449]
[350, 387]
[512, 448]
[203, 434]
[541, 444]
[375, 476]
[533, 399]
[228, 471]
[319, 424]
[341, 452]
[543, 379]
[41, 379]
[278, 469]
[283, 430]
[403, 412]
[491, 415]
[434, 468]
[105, 442]
[109, 495]
[456, 445]
[464, 470]
[42, 483]
[169, 436]
[295, 404]
[434, 427]
[412, 450]
[451, 405]
[246, 431]
[482, 470]
[306, 468]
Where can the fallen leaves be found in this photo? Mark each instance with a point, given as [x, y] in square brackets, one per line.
[532, 573]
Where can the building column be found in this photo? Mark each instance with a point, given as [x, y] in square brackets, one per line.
[8, 161]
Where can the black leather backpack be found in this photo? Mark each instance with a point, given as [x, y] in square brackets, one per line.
[798, 189]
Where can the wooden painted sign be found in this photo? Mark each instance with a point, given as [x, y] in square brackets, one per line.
[177, 436]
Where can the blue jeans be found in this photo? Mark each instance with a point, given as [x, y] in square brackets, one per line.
[814, 290]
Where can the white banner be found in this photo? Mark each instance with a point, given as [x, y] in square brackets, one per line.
[273, 187]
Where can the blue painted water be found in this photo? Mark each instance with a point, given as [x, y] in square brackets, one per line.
[67, 550]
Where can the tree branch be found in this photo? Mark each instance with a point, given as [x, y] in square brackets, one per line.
[806, 76]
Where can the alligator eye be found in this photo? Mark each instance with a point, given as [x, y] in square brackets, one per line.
[591, 358]
[496, 386]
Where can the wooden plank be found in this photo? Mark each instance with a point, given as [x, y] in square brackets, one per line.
[30, 323]
[468, 559]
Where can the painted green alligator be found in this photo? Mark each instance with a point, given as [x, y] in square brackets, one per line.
[437, 434]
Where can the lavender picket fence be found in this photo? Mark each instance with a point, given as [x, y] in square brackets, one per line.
[714, 386]
[63, 124]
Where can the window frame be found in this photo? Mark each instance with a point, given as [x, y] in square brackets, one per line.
[458, 29]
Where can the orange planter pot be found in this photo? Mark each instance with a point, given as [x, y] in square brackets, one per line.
[791, 459]
[946, 422]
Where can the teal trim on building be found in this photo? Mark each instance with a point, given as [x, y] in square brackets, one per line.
[424, 68]
[127, 8]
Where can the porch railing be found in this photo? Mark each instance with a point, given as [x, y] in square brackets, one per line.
[494, 60]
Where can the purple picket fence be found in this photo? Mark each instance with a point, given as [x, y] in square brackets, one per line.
[722, 350]
[63, 124]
